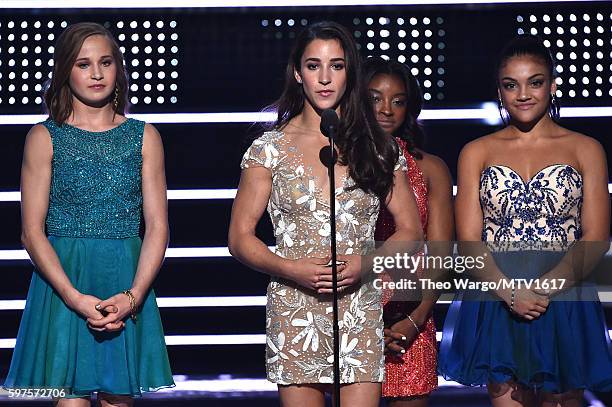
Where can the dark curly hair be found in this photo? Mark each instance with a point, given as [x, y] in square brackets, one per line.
[369, 153]
[410, 130]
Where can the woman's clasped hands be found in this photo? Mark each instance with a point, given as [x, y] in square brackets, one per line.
[316, 273]
[103, 315]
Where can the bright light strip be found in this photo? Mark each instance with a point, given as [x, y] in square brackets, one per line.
[183, 302]
[241, 3]
[14, 255]
[594, 111]
[240, 339]
[173, 194]
[237, 301]
[231, 385]
[171, 252]
[484, 113]
[191, 340]
[181, 252]
[186, 194]
[10, 196]
[12, 305]
[186, 302]
[185, 340]
[233, 117]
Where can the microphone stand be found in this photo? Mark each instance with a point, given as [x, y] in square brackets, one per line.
[329, 124]
[332, 223]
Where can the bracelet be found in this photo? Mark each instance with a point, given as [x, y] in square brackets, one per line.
[132, 304]
[512, 300]
[415, 325]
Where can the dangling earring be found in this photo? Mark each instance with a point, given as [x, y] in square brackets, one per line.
[555, 108]
[503, 113]
[116, 98]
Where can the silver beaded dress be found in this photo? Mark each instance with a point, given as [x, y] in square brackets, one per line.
[299, 346]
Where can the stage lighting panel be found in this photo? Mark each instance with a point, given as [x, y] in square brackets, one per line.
[25, 37]
[588, 41]
[388, 36]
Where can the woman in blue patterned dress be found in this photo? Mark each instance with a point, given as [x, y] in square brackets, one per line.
[531, 185]
[91, 323]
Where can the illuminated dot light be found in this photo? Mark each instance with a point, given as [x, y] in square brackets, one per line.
[415, 40]
[150, 45]
[575, 40]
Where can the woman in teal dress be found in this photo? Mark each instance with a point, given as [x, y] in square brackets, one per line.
[91, 322]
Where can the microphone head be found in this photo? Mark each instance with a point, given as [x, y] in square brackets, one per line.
[329, 123]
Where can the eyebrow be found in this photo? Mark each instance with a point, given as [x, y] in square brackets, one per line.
[395, 95]
[87, 58]
[531, 77]
[319, 59]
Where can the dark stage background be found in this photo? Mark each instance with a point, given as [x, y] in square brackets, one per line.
[219, 60]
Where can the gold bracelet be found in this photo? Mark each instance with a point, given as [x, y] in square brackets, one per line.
[132, 304]
[415, 325]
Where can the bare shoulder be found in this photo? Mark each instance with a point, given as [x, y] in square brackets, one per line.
[39, 131]
[588, 150]
[152, 145]
[39, 138]
[151, 136]
[476, 149]
[583, 141]
[434, 166]
[150, 130]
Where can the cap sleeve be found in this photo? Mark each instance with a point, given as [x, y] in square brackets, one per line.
[263, 152]
[401, 163]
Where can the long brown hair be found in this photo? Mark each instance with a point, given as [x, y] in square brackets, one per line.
[58, 95]
[365, 148]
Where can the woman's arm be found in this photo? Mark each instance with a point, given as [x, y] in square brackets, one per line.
[440, 227]
[583, 256]
[408, 236]
[249, 205]
[155, 213]
[35, 188]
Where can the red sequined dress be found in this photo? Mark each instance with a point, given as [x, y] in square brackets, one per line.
[414, 372]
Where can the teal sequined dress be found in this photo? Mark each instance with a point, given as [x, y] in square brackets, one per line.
[93, 222]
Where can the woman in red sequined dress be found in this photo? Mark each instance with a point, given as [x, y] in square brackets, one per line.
[410, 340]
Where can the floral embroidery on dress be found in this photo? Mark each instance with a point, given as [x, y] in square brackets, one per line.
[544, 210]
[298, 320]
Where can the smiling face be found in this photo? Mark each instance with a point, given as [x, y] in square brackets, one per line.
[389, 100]
[322, 73]
[525, 88]
[93, 75]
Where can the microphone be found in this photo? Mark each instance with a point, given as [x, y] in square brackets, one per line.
[329, 123]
